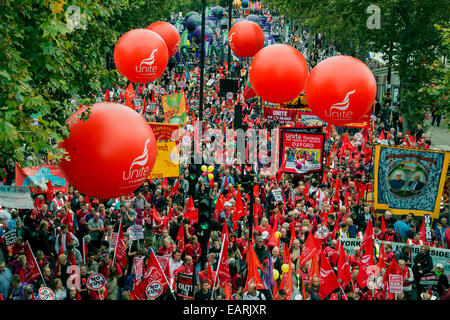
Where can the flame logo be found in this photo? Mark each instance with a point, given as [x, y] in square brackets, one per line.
[324, 273]
[230, 38]
[147, 62]
[344, 104]
[365, 259]
[142, 159]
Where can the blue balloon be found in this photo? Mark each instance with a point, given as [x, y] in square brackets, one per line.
[217, 11]
[244, 3]
[254, 18]
[193, 22]
[191, 14]
[197, 34]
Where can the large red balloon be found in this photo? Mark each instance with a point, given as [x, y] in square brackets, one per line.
[278, 73]
[141, 55]
[340, 90]
[111, 154]
[169, 34]
[246, 38]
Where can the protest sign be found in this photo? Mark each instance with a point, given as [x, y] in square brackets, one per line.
[96, 281]
[185, 285]
[15, 197]
[46, 294]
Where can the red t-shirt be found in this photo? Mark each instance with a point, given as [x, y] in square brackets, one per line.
[194, 251]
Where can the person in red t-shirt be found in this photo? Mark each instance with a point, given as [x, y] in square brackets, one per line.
[264, 226]
[243, 244]
[167, 249]
[187, 267]
[354, 260]
[193, 249]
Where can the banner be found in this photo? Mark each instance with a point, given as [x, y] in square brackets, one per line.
[37, 178]
[174, 106]
[303, 151]
[438, 255]
[284, 116]
[409, 180]
[185, 285]
[164, 131]
[364, 122]
[167, 164]
[446, 193]
[15, 197]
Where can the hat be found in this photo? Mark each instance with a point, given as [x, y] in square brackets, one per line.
[440, 265]
[388, 213]
[227, 204]
[265, 234]
[259, 239]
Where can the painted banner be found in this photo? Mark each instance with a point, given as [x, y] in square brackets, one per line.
[164, 131]
[427, 223]
[174, 106]
[37, 178]
[185, 285]
[303, 151]
[446, 193]
[16, 197]
[167, 164]
[284, 116]
[438, 255]
[409, 180]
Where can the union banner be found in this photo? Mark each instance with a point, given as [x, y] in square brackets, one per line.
[37, 178]
[174, 106]
[409, 180]
[167, 164]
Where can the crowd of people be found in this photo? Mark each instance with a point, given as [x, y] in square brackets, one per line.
[68, 228]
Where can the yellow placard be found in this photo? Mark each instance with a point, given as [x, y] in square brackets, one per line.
[167, 164]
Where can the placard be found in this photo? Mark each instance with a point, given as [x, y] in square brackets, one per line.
[185, 285]
[46, 293]
[135, 232]
[395, 283]
[427, 221]
[114, 239]
[10, 238]
[15, 197]
[96, 282]
[277, 194]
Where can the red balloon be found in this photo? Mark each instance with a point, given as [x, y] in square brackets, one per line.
[278, 73]
[246, 38]
[111, 154]
[141, 55]
[340, 90]
[169, 34]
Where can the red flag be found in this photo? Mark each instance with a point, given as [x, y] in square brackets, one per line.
[107, 96]
[180, 238]
[153, 96]
[165, 184]
[381, 257]
[190, 211]
[423, 233]
[120, 253]
[239, 206]
[50, 190]
[129, 92]
[311, 246]
[287, 283]
[328, 280]
[219, 207]
[343, 267]
[383, 225]
[314, 270]
[281, 170]
[366, 261]
[31, 270]
[175, 189]
[393, 269]
[335, 229]
[153, 275]
[252, 273]
[381, 136]
[368, 234]
[223, 271]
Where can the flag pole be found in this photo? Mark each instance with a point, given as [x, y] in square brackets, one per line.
[37, 265]
[218, 267]
[115, 249]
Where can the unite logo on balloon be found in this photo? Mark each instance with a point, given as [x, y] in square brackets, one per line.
[146, 66]
[230, 41]
[142, 173]
[338, 110]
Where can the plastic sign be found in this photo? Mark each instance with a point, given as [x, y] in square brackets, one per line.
[46, 293]
[153, 290]
[96, 282]
[322, 233]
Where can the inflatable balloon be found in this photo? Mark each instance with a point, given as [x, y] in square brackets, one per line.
[111, 154]
[285, 268]
[210, 24]
[237, 20]
[237, 4]
[204, 174]
[277, 234]
[204, 168]
[244, 3]
[210, 168]
[192, 13]
[276, 274]
[246, 38]
[217, 12]
[169, 34]
[278, 73]
[141, 55]
[193, 22]
[210, 176]
[340, 90]
[254, 18]
[197, 34]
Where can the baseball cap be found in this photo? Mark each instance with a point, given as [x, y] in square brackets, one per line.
[259, 238]
[440, 265]
[388, 213]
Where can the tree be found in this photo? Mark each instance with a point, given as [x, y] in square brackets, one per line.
[52, 54]
[407, 38]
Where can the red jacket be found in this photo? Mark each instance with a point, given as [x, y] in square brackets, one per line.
[194, 252]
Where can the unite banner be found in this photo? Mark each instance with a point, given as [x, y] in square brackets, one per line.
[409, 180]
[167, 164]
[174, 106]
[302, 150]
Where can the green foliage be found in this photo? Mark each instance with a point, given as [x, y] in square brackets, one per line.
[54, 51]
[407, 38]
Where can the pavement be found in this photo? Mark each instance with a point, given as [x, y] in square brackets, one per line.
[439, 136]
